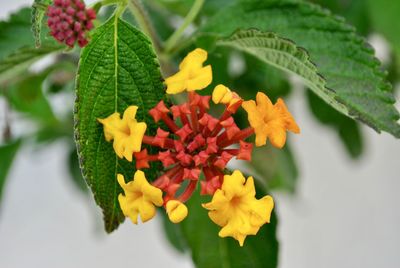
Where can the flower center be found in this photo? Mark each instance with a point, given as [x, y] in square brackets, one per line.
[236, 201]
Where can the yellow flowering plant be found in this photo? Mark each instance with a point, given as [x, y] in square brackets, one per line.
[186, 111]
[195, 148]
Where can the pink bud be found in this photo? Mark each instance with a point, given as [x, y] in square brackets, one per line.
[60, 36]
[70, 41]
[70, 11]
[77, 27]
[89, 25]
[79, 4]
[81, 15]
[82, 42]
[66, 3]
[58, 2]
[69, 33]
[91, 13]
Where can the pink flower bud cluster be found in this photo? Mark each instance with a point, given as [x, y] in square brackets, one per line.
[69, 21]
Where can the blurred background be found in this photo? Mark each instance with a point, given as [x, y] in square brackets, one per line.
[343, 213]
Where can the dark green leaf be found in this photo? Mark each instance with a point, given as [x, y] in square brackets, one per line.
[355, 84]
[117, 69]
[347, 129]
[7, 154]
[209, 250]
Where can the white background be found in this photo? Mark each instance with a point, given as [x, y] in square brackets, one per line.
[345, 213]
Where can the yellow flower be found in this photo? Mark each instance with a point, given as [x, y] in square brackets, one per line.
[223, 94]
[269, 121]
[176, 210]
[192, 75]
[235, 208]
[127, 133]
[140, 198]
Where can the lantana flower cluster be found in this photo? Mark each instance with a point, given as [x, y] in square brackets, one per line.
[194, 148]
[70, 21]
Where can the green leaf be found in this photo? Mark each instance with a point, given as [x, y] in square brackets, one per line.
[348, 130]
[355, 12]
[17, 46]
[117, 69]
[15, 32]
[209, 250]
[355, 84]
[281, 172]
[278, 52]
[39, 9]
[173, 233]
[385, 20]
[14, 64]
[7, 154]
[26, 96]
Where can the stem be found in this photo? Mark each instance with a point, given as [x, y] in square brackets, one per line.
[7, 127]
[174, 38]
[120, 9]
[142, 18]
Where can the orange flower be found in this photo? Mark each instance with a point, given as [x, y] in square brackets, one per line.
[270, 121]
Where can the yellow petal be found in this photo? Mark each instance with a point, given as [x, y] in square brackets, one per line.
[221, 94]
[235, 208]
[130, 113]
[176, 210]
[200, 79]
[194, 59]
[263, 101]
[277, 137]
[140, 197]
[177, 82]
[291, 124]
[192, 75]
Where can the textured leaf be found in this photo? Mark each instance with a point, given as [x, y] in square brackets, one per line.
[7, 154]
[357, 87]
[117, 69]
[20, 60]
[209, 250]
[348, 130]
[278, 52]
[39, 8]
